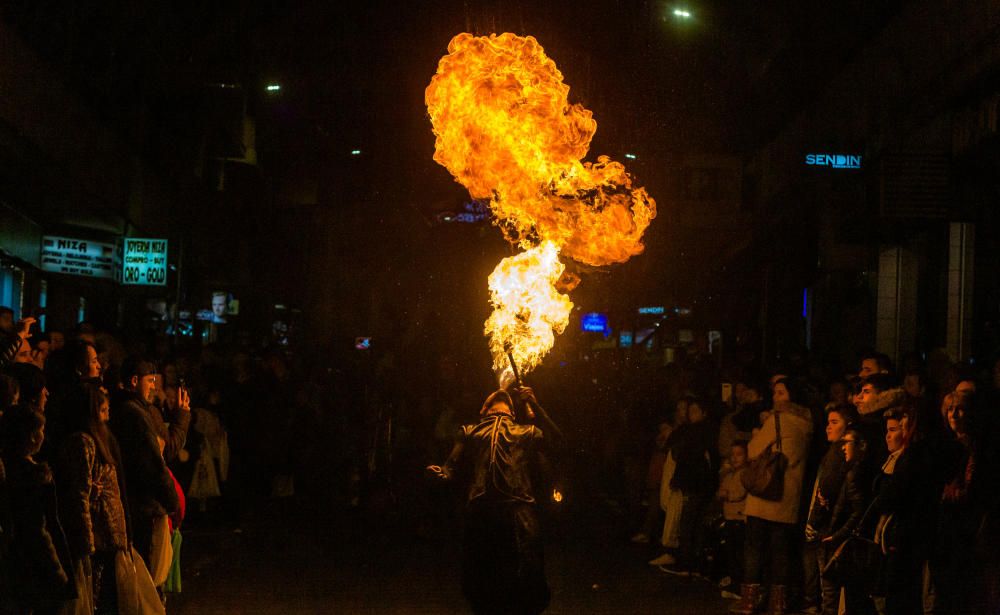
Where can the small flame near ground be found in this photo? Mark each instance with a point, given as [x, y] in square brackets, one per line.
[506, 131]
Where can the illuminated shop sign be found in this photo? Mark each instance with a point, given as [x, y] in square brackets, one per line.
[652, 310]
[594, 321]
[834, 161]
[83, 257]
[145, 262]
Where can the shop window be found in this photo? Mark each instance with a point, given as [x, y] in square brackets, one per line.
[11, 288]
[43, 302]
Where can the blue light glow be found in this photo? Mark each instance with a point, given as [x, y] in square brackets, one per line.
[595, 322]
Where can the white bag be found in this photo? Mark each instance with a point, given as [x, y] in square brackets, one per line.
[205, 482]
[161, 554]
[136, 593]
[671, 501]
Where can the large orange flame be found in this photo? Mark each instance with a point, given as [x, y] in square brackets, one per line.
[507, 132]
[528, 310]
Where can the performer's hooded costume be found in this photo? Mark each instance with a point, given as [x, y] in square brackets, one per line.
[503, 569]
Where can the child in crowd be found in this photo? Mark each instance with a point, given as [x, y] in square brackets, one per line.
[733, 496]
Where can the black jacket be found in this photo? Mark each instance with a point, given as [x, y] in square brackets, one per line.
[852, 502]
[832, 471]
[151, 490]
[696, 454]
[42, 566]
[502, 453]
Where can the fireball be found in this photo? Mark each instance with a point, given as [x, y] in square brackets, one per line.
[506, 130]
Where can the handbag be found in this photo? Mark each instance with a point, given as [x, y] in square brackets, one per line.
[136, 593]
[764, 476]
[857, 558]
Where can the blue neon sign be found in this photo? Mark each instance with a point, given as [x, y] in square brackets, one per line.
[594, 321]
[834, 161]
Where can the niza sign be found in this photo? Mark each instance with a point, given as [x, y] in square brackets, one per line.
[834, 161]
[144, 262]
[83, 257]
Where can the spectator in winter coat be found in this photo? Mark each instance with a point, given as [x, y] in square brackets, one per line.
[878, 394]
[771, 524]
[42, 579]
[902, 506]
[90, 492]
[733, 496]
[829, 479]
[956, 565]
[151, 491]
[694, 447]
[847, 513]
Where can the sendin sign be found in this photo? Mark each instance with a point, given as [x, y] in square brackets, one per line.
[834, 161]
[144, 262]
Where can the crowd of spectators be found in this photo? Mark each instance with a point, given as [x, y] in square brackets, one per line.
[103, 441]
[888, 503]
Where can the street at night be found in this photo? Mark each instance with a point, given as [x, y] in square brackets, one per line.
[502, 307]
[289, 564]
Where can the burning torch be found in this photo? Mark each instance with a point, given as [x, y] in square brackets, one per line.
[509, 349]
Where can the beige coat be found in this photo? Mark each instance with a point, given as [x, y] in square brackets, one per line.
[796, 431]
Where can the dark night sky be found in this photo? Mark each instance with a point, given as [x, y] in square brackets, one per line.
[353, 75]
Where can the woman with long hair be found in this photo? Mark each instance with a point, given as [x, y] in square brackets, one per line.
[771, 524]
[91, 503]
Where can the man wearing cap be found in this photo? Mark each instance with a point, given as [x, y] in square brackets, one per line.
[503, 569]
[149, 486]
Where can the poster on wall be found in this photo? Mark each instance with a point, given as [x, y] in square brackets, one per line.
[144, 262]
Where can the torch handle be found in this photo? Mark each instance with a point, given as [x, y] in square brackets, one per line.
[513, 366]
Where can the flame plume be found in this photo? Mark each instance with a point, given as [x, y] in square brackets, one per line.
[506, 130]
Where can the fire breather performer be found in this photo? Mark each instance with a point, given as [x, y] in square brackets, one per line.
[505, 129]
[503, 568]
